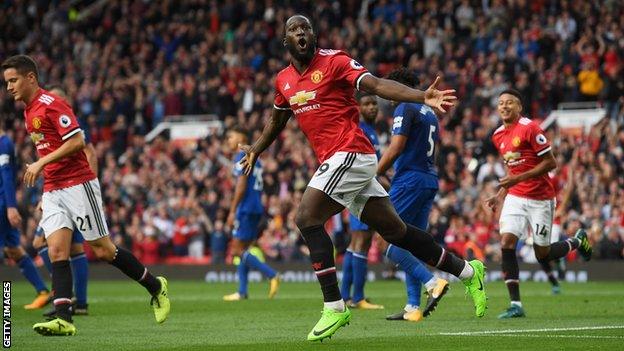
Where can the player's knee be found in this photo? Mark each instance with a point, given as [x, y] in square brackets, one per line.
[103, 249]
[58, 253]
[541, 252]
[508, 241]
[305, 219]
[104, 253]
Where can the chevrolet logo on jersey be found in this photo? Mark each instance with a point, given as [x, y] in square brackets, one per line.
[302, 97]
[511, 157]
[36, 137]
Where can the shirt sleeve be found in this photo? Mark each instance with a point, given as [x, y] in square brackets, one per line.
[539, 143]
[63, 119]
[346, 68]
[7, 172]
[403, 119]
[279, 101]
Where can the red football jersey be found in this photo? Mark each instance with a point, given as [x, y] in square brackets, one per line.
[321, 98]
[522, 146]
[50, 121]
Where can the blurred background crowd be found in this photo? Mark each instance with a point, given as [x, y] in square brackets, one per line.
[130, 64]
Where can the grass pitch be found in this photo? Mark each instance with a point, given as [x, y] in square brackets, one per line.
[584, 317]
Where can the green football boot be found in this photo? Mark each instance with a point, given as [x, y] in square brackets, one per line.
[328, 324]
[160, 302]
[55, 327]
[584, 248]
[475, 287]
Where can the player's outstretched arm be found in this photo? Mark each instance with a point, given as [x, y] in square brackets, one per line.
[392, 90]
[69, 147]
[276, 124]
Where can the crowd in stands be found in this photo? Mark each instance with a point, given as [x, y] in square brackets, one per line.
[129, 64]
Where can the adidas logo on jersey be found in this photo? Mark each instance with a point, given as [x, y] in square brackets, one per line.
[287, 86]
[46, 99]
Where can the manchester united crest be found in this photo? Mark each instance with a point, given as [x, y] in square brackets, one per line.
[516, 141]
[36, 123]
[317, 76]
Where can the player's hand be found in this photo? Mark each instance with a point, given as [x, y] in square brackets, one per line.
[39, 206]
[439, 99]
[15, 219]
[229, 222]
[249, 160]
[492, 202]
[32, 173]
[508, 181]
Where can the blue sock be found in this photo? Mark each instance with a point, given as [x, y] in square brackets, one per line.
[413, 286]
[43, 253]
[80, 269]
[30, 272]
[408, 263]
[347, 275]
[360, 269]
[242, 271]
[253, 262]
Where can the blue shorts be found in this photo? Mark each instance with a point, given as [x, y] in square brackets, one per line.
[76, 235]
[356, 225]
[9, 236]
[246, 226]
[413, 204]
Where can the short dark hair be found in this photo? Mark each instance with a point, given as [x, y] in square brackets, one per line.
[512, 91]
[362, 94]
[23, 64]
[404, 76]
[240, 130]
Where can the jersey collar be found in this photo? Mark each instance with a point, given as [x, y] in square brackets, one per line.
[316, 53]
[39, 92]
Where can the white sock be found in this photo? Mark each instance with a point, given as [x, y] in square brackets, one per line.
[338, 306]
[431, 284]
[410, 308]
[516, 303]
[467, 272]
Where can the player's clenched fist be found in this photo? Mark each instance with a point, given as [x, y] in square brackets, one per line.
[32, 173]
[249, 160]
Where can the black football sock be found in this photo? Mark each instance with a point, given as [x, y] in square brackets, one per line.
[322, 257]
[62, 287]
[130, 266]
[562, 248]
[548, 270]
[422, 246]
[511, 274]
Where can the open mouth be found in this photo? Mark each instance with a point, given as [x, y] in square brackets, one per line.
[302, 43]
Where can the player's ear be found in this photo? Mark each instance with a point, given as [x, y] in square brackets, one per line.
[284, 42]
